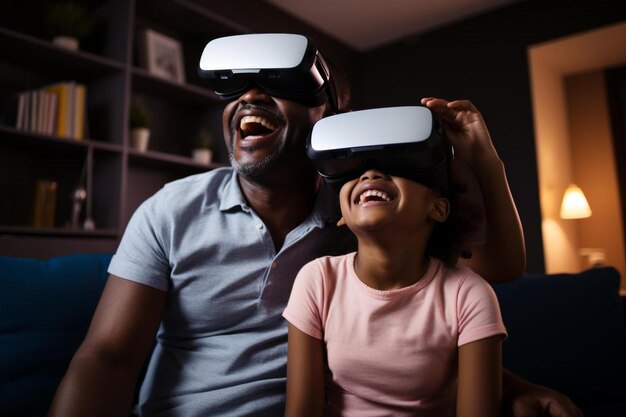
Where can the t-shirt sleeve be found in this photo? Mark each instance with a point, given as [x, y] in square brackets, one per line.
[141, 255]
[303, 309]
[478, 310]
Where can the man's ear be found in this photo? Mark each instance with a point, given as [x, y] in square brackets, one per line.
[440, 210]
[341, 222]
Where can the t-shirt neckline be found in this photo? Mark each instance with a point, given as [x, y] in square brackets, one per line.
[429, 274]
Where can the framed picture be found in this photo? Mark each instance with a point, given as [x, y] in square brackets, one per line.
[163, 56]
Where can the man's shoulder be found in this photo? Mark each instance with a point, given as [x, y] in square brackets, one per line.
[184, 195]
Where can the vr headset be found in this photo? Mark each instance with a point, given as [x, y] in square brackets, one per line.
[281, 64]
[401, 141]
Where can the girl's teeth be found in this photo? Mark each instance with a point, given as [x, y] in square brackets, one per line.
[375, 193]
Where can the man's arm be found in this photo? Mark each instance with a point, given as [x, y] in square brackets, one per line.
[102, 375]
[524, 399]
[502, 256]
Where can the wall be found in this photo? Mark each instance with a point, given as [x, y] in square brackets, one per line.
[594, 168]
[554, 160]
[485, 59]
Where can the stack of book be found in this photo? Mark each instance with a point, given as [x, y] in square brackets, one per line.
[58, 109]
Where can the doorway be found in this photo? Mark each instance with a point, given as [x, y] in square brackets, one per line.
[553, 65]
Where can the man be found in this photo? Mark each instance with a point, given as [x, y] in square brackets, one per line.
[209, 262]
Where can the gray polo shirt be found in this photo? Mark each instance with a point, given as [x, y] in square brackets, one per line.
[222, 345]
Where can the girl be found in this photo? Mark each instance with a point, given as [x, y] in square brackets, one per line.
[396, 328]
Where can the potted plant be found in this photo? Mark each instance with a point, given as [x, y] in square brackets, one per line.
[202, 151]
[139, 122]
[69, 22]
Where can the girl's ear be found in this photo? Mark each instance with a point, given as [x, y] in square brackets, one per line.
[341, 222]
[440, 210]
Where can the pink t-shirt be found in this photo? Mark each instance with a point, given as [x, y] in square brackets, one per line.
[392, 353]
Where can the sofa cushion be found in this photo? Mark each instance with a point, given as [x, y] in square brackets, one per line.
[566, 331]
[45, 310]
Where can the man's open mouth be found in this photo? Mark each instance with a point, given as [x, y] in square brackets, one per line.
[256, 126]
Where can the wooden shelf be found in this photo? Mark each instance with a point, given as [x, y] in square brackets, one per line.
[117, 177]
[19, 48]
[154, 158]
[28, 138]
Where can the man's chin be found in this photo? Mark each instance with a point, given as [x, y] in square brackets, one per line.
[254, 170]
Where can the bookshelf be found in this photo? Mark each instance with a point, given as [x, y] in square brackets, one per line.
[116, 177]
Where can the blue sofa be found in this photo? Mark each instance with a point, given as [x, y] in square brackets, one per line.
[566, 331]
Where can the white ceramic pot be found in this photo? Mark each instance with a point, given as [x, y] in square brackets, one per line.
[66, 42]
[202, 156]
[139, 138]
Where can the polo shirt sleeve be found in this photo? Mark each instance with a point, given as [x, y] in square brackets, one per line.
[478, 310]
[141, 255]
[303, 309]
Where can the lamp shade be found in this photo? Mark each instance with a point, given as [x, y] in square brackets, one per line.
[575, 205]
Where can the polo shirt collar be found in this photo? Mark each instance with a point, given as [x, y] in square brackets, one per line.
[232, 195]
[326, 209]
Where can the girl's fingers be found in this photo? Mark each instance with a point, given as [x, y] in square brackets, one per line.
[434, 102]
[460, 105]
[455, 112]
[440, 107]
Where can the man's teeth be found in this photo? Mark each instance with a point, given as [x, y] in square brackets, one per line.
[245, 122]
[370, 195]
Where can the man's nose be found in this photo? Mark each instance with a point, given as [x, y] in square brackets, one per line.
[254, 94]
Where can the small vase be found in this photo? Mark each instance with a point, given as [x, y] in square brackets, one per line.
[139, 138]
[202, 156]
[66, 42]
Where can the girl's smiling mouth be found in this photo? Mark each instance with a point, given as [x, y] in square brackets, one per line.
[373, 195]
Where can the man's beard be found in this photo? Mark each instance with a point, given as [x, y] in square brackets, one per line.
[258, 169]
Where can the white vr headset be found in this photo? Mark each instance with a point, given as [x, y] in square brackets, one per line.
[402, 141]
[282, 64]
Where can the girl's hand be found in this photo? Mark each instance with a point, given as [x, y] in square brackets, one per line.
[465, 129]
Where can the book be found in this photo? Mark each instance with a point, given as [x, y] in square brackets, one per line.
[22, 102]
[44, 208]
[70, 109]
[79, 111]
[34, 111]
[58, 109]
[26, 121]
[61, 91]
[52, 117]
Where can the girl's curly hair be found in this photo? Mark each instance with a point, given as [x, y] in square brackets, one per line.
[448, 241]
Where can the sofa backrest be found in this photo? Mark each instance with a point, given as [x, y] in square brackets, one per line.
[45, 310]
[566, 331]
